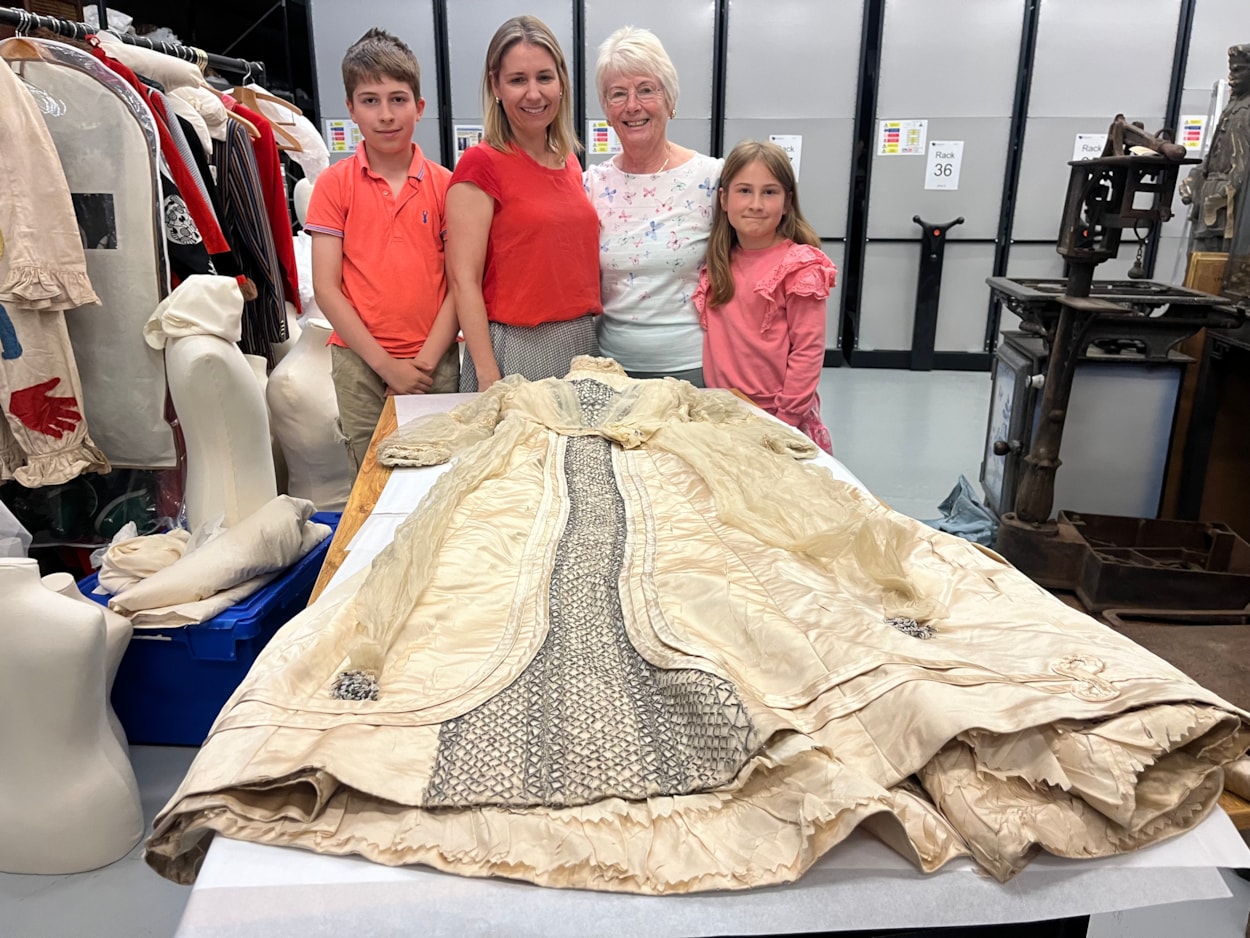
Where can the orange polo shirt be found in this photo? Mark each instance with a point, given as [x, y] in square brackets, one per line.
[393, 272]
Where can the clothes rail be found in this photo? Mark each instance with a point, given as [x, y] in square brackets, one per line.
[25, 21]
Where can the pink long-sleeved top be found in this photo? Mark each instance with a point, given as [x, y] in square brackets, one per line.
[768, 341]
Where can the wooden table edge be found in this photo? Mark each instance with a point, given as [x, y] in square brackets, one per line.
[366, 491]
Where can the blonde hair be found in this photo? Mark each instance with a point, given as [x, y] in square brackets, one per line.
[724, 239]
[632, 50]
[497, 131]
[378, 55]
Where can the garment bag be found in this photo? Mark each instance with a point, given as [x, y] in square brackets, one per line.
[107, 143]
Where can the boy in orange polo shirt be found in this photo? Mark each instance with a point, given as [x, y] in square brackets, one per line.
[376, 222]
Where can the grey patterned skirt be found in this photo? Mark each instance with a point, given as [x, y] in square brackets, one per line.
[536, 352]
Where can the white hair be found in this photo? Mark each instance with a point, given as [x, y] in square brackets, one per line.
[632, 50]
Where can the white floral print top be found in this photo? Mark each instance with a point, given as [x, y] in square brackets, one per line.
[653, 231]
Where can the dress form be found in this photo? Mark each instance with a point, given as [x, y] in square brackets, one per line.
[304, 412]
[220, 405]
[280, 349]
[260, 368]
[69, 801]
[302, 407]
[117, 632]
[221, 409]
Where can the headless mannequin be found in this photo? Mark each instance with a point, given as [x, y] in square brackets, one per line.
[219, 402]
[302, 405]
[221, 409]
[69, 801]
[117, 632]
[281, 349]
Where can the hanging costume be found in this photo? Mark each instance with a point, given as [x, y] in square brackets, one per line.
[691, 662]
[118, 204]
[274, 201]
[247, 228]
[193, 236]
[43, 272]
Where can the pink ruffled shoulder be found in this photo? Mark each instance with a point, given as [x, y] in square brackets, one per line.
[700, 296]
[802, 271]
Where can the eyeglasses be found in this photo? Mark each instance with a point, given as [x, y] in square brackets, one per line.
[644, 93]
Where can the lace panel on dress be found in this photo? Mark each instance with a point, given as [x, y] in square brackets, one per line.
[589, 718]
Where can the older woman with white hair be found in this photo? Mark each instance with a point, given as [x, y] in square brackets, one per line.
[654, 200]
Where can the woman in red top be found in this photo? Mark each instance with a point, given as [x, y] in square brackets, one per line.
[522, 238]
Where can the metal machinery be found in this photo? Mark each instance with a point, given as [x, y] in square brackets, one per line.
[1129, 187]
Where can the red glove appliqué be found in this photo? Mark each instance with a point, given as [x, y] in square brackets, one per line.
[38, 409]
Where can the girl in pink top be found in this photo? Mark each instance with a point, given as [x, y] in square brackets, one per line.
[761, 296]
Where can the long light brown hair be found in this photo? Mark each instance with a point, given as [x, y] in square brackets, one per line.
[561, 135]
[724, 239]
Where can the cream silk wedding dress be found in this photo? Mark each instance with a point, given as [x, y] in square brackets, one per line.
[633, 641]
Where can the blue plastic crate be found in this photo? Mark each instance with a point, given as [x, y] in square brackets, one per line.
[173, 682]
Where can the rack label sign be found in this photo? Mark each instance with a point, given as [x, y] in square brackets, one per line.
[467, 135]
[793, 145]
[941, 170]
[1088, 146]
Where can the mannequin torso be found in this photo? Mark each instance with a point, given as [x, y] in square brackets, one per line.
[69, 801]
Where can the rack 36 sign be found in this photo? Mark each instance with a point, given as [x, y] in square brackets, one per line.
[941, 169]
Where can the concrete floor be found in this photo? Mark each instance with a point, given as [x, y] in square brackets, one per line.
[907, 435]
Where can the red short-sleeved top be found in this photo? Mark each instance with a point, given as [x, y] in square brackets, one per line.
[393, 273]
[542, 255]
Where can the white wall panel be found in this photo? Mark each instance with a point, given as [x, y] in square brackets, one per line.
[470, 27]
[898, 190]
[334, 25]
[836, 251]
[949, 58]
[687, 31]
[965, 297]
[953, 64]
[793, 68]
[1097, 59]
[888, 300]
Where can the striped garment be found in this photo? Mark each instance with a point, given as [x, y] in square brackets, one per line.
[247, 229]
[184, 150]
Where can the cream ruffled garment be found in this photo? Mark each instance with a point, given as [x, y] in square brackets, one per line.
[632, 642]
[43, 273]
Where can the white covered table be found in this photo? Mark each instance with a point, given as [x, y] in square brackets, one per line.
[247, 889]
